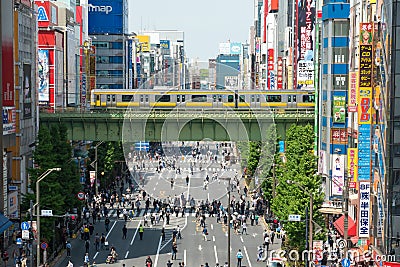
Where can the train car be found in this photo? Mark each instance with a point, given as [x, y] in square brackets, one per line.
[170, 99]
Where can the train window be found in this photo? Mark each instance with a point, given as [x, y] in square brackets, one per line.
[252, 98]
[257, 98]
[183, 98]
[242, 98]
[219, 98]
[141, 98]
[108, 98]
[214, 98]
[274, 98]
[308, 98]
[127, 98]
[163, 98]
[113, 98]
[230, 98]
[294, 99]
[289, 98]
[98, 97]
[178, 98]
[199, 98]
[147, 98]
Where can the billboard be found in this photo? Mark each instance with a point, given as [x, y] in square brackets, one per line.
[106, 16]
[9, 120]
[279, 75]
[337, 174]
[322, 167]
[235, 48]
[338, 136]
[352, 160]
[365, 102]
[27, 98]
[43, 71]
[352, 94]
[224, 48]
[270, 69]
[339, 109]
[7, 35]
[144, 43]
[364, 222]
[305, 43]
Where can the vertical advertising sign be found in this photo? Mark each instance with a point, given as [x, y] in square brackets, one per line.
[7, 37]
[337, 174]
[353, 88]
[352, 160]
[43, 71]
[270, 67]
[130, 64]
[339, 109]
[83, 92]
[305, 44]
[322, 168]
[144, 41]
[364, 219]
[279, 77]
[13, 205]
[9, 120]
[27, 98]
[365, 102]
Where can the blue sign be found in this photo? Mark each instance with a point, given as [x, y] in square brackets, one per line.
[142, 146]
[281, 146]
[345, 262]
[25, 226]
[106, 16]
[19, 241]
[164, 44]
[42, 15]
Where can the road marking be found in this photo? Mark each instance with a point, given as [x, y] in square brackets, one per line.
[111, 229]
[137, 229]
[154, 189]
[126, 255]
[212, 227]
[95, 255]
[159, 246]
[241, 239]
[208, 196]
[216, 254]
[247, 256]
[214, 240]
[200, 248]
[184, 256]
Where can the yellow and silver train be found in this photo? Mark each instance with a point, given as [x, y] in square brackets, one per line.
[168, 99]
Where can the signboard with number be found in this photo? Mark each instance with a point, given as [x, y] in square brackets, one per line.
[364, 221]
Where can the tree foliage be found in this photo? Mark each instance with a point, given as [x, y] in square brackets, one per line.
[58, 189]
[300, 166]
[253, 157]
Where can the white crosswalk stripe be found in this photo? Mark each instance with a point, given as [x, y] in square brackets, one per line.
[112, 213]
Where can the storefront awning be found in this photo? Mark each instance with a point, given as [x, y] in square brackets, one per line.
[4, 223]
[327, 210]
[339, 225]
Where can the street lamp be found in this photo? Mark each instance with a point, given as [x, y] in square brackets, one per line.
[40, 178]
[310, 237]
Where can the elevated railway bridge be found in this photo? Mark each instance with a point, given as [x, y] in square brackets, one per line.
[179, 124]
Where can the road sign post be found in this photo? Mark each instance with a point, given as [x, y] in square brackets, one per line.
[294, 218]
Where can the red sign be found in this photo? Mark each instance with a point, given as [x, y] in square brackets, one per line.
[7, 36]
[280, 73]
[44, 245]
[338, 136]
[270, 65]
[80, 195]
[352, 184]
[352, 105]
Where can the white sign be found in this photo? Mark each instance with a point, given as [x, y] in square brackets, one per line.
[47, 212]
[364, 221]
[294, 218]
[337, 174]
[104, 9]
[25, 234]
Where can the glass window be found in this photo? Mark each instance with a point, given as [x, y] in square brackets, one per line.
[116, 59]
[108, 98]
[163, 98]
[219, 98]
[183, 98]
[273, 98]
[199, 98]
[341, 28]
[340, 54]
[294, 99]
[147, 98]
[230, 98]
[127, 98]
[340, 82]
[141, 98]
[100, 44]
[252, 98]
[178, 98]
[289, 98]
[113, 98]
[116, 45]
[214, 98]
[242, 99]
[102, 59]
[308, 98]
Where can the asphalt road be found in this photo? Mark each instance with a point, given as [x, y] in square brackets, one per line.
[192, 249]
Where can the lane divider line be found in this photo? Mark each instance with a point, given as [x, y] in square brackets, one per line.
[134, 235]
[247, 256]
[216, 254]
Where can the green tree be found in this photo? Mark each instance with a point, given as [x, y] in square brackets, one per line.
[253, 157]
[301, 166]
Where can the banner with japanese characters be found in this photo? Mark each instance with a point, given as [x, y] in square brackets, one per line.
[364, 207]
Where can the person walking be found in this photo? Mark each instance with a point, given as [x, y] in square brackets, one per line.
[97, 241]
[244, 228]
[124, 231]
[163, 234]
[174, 251]
[141, 231]
[169, 263]
[205, 233]
[239, 257]
[260, 252]
[68, 246]
[87, 246]
[149, 262]
[107, 223]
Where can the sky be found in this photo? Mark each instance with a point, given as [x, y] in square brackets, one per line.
[205, 23]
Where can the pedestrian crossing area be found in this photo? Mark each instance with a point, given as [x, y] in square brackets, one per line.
[113, 213]
[209, 169]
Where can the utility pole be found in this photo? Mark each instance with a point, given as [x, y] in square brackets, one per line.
[346, 213]
[31, 233]
[307, 245]
[229, 226]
